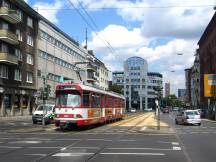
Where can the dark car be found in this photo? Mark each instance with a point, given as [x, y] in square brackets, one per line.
[165, 110]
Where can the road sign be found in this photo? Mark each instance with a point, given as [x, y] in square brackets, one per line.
[210, 85]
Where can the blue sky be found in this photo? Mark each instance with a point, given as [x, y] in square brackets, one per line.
[154, 30]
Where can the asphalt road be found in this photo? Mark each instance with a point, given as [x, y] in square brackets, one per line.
[114, 144]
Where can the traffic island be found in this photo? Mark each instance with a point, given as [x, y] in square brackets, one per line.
[150, 125]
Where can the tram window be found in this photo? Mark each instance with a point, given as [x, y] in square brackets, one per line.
[96, 101]
[106, 101]
[86, 100]
[111, 102]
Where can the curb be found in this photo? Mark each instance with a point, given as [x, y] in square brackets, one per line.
[208, 120]
[15, 118]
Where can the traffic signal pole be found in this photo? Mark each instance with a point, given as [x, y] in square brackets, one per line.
[44, 101]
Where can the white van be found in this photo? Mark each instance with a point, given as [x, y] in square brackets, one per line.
[48, 109]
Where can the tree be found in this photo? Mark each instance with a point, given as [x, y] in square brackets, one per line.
[172, 100]
[116, 88]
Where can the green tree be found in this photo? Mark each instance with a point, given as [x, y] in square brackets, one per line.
[116, 88]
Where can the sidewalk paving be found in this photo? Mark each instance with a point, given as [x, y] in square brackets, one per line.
[209, 120]
[14, 118]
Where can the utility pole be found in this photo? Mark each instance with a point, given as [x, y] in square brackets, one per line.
[44, 101]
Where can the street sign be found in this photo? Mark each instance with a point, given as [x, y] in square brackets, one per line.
[210, 85]
[156, 102]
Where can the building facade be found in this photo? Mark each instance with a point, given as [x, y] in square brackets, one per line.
[195, 82]
[136, 83]
[18, 35]
[155, 88]
[167, 89]
[118, 78]
[59, 57]
[188, 86]
[207, 57]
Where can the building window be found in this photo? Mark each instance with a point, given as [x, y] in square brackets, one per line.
[29, 78]
[19, 13]
[29, 59]
[3, 71]
[18, 53]
[5, 4]
[19, 35]
[30, 22]
[30, 41]
[17, 75]
[5, 26]
[4, 48]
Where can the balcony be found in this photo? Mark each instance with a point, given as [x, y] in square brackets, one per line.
[8, 59]
[9, 15]
[9, 37]
[91, 78]
[90, 67]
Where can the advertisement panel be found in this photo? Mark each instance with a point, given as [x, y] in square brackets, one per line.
[210, 85]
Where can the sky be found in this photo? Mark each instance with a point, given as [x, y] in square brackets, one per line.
[156, 30]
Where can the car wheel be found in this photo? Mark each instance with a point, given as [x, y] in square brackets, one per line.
[176, 121]
[34, 122]
[199, 124]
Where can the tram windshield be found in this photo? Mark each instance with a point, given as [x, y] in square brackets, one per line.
[68, 99]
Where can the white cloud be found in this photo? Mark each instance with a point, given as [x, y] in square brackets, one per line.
[162, 58]
[49, 10]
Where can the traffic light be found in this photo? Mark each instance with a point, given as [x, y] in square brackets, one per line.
[46, 92]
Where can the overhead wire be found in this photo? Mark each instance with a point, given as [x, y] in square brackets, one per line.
[107, 44]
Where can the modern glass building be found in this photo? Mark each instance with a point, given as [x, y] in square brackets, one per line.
[135, 83]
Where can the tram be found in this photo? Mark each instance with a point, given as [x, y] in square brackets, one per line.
[81, 105]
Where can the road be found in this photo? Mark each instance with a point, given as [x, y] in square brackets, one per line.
[118, 142]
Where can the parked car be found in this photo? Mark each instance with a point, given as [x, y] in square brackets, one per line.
[176, 109]
[133, 110]
[47, 110]
[188, 117]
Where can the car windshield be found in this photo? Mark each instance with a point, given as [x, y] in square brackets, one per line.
[192, 113]
[47, 108]
[72, 99]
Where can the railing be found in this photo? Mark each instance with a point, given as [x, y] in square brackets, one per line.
[10, 15]
[8, 58]
[8, 36]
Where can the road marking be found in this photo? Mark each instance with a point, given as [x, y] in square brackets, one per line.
[30, 142]
[84, 147]
[64, 148]
[176, 148]
[193, 132]
[126, 140]
[144, 128]
[73, 154]
[205, 132]
[36, 154]
[98, 140]
[12, 147]
[45, 147]
[132, 153]
[175, 143]
[138, 148]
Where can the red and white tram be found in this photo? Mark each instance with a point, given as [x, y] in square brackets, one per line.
[81, 105]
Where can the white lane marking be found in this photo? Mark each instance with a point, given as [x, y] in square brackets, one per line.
[25, 124]
[84, 147]
[45, 147]
[126, 140]
[64, 148]
[30, 142]
[176, 148]
[193, 132]
[67, 139]
[163, 142]
[175, 143]
[98, 140]
[11, 123]
[1, 142]
[138, 148]
[205, 132]
[12, 147]
[36, 154]
[73, 154]
[142, 129]
[133, 153]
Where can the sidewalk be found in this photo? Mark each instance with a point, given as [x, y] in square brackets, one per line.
[150, 126]
[14, 118]
[208, 120]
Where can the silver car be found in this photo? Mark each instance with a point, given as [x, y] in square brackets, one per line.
[188, 117]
